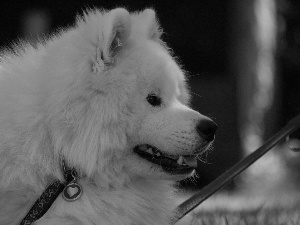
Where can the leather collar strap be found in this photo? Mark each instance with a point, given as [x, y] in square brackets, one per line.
[47, 198]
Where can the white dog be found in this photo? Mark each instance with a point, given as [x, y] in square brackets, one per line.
[106, 101]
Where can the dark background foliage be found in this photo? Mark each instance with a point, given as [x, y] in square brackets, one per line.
[202, 36]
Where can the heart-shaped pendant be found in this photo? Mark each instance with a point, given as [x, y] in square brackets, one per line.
[72, 192]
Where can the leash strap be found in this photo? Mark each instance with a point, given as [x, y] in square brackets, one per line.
[47, 198]
[191, 203]
[44, 202]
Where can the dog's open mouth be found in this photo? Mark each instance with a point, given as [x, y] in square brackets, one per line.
[174, 164]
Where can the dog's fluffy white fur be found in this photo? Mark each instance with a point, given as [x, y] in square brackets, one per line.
[82, 96]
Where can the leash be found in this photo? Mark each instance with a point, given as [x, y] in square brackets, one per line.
[70, 189]
[226, 177]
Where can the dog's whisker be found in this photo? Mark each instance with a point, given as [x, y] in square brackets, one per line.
[193, 93]
[203, 160]
[193, 179]
[204, 156]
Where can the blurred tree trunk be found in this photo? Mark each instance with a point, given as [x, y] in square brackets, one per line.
[253, 41]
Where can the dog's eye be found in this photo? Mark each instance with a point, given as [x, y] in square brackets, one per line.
[154, 100]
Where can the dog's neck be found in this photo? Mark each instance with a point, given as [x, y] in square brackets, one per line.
[140, 201]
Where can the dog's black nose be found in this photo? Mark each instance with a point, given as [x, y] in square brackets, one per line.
[207, 128]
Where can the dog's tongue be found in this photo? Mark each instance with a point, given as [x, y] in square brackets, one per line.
[190, 161]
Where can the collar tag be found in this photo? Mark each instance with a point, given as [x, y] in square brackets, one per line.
[72, 192]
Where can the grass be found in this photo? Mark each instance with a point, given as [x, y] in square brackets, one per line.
[278, 208]
[271, 216]
[268, 195]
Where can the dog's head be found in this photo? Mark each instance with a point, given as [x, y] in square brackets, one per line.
[125, 111]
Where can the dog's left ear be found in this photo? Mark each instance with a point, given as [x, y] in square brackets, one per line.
[116, 32]
[153, 30]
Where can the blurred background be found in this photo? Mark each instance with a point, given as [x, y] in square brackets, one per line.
[242, 58]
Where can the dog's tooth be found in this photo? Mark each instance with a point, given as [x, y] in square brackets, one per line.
[143, 147]
[155, 151]
[149, 150]
[190, 161]
[180, 160]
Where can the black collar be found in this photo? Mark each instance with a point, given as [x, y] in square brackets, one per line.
[44, 202]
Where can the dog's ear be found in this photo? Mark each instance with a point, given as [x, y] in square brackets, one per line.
[116, 32]
[153, 30]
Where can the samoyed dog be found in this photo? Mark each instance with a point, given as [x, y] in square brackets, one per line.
[106, 99]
